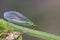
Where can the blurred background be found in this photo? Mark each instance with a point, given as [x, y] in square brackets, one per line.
[44, 13]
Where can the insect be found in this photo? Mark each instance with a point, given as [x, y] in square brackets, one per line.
[17, 18]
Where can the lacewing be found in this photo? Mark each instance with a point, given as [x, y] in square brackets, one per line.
[17, 18]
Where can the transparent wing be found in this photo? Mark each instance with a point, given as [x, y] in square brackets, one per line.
[17, 18]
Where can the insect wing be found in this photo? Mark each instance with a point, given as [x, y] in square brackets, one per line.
[17, 18]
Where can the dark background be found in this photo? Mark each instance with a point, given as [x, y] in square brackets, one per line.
[44, 13]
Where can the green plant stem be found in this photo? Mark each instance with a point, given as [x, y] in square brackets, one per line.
[20, 37]
[32, 32]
